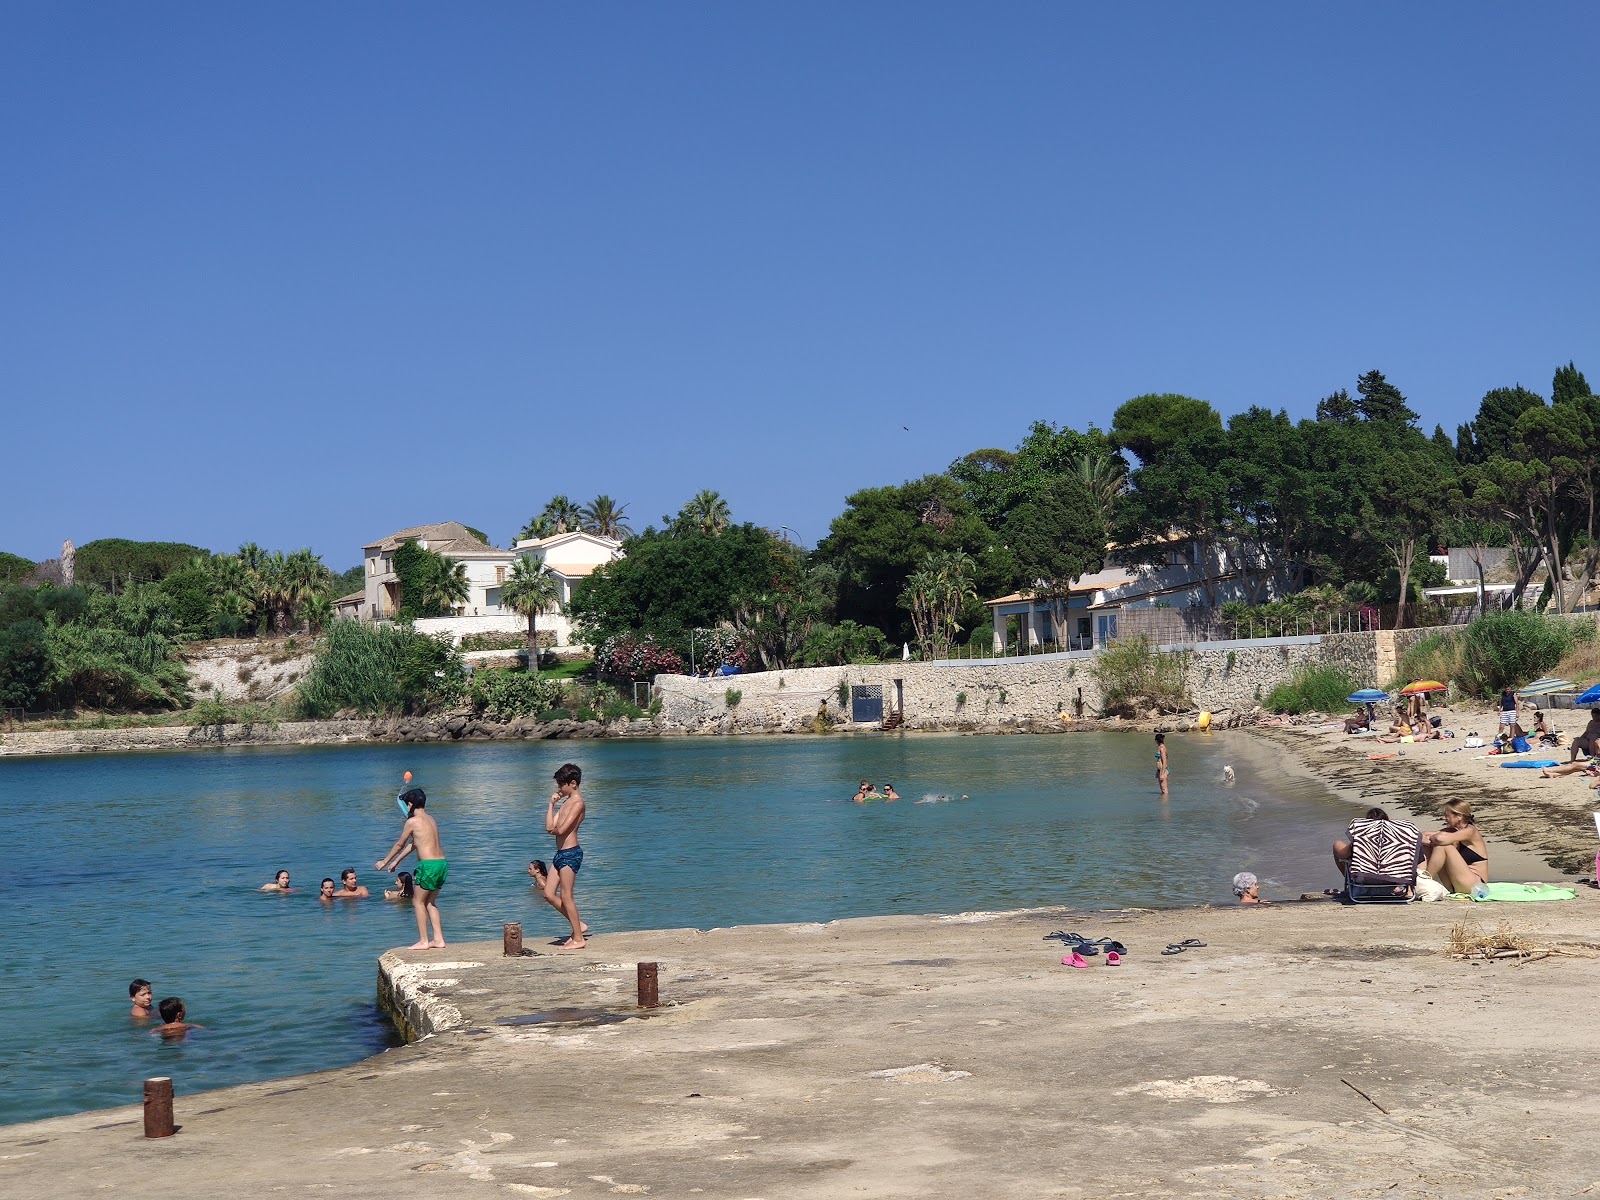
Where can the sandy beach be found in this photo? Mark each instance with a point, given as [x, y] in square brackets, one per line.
[1545, 824]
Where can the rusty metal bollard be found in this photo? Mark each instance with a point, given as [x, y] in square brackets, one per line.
[649, 995]
[158, 1107]
[513, 939]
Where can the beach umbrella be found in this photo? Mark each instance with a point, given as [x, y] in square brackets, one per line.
[1421, 686]
[1592, 696]
[1367, 696]
[1543, 687]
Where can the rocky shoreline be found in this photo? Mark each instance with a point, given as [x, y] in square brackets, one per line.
[461, 727]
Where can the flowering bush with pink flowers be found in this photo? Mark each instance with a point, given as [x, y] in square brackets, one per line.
[636, 656]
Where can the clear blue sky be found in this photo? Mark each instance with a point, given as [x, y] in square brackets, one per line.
[305, 274]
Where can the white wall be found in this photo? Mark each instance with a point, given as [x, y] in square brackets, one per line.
[455, 628]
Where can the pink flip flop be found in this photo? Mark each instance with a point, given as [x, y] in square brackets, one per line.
[1074, 960]
[1113, 958]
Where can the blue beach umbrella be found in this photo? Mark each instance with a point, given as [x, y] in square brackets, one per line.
[1592, 696]
[1367, 696]
[1543, 687]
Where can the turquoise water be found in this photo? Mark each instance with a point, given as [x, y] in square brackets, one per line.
[147, 865]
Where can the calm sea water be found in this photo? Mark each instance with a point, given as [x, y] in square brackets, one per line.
[147, 865]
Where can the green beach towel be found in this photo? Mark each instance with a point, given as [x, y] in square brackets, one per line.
[1525, 892]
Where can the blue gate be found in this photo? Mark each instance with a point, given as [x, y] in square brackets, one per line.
[866, 703]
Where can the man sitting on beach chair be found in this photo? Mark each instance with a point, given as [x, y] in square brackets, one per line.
[1379, 859]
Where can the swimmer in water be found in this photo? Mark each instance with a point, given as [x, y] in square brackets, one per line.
[173, 1025]
[865, 792]
[349, 889]
[402, 888]
[1161, 762]
[139, 992]
[889, 793]
[325, 894]
[280, 883]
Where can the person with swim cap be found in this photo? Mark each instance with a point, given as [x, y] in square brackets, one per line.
[420, 833]
[1248, 888]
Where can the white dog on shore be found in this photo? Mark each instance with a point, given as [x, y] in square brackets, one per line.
[1227, 774]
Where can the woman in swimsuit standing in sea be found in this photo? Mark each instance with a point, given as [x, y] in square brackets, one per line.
[1458, 857]
[1161, 762]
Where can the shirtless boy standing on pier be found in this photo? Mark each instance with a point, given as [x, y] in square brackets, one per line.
[421, 834]
[562, 817]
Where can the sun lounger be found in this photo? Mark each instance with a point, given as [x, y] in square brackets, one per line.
[1383, 861]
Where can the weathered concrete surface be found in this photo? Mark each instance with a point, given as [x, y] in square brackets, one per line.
[932, 1057]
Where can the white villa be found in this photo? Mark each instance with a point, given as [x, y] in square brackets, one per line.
[570, 557]
[1132, 596]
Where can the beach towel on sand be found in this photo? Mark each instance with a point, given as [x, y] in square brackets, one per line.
[1524, 892]
[1532, 762]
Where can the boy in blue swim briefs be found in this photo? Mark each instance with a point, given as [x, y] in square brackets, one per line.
[562, 817]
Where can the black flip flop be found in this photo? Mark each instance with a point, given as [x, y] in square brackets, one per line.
[1061, 935]
[1174, 948]
[1190, 943]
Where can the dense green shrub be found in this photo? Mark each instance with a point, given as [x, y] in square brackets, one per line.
[842, 644]
[1507, 649]
[100, 667]
[505, 695]
[1314, 688]
[380, 669]
[1439, 656]
[1498, 650]
[1134, 675]
[24, 664]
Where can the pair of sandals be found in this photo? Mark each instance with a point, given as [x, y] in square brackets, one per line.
[1186, 944]
[1082, 949]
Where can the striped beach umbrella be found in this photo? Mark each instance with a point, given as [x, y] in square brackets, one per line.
[1543, 687]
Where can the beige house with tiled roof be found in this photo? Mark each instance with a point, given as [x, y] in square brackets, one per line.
[571, 557]
[486, 567]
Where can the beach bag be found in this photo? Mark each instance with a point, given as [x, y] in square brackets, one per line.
[1520, 745]
[1429, 889]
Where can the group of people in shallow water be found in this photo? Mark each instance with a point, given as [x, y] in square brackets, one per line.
[868, 791]
[557, 884]
[172, 1012]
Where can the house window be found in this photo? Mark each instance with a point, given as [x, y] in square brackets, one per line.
[1181, 555]
[499, 574]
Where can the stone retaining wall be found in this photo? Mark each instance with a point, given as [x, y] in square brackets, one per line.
[1019, 692]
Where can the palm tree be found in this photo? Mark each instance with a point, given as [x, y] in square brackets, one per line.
[706, 511]
[603, 516]
[565, 516]
[446, 587]
[270, 588]
[537, 529]
[304, 576]
[1105, 478]
[531, 589]
[317, 611]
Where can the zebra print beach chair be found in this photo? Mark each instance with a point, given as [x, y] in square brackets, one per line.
[1383, 861]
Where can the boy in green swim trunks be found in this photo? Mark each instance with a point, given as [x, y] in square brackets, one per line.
[421, 834]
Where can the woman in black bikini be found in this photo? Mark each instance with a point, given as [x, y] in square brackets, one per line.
[1458, 857]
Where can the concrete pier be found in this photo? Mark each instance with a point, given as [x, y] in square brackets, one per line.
[1305, 1050]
